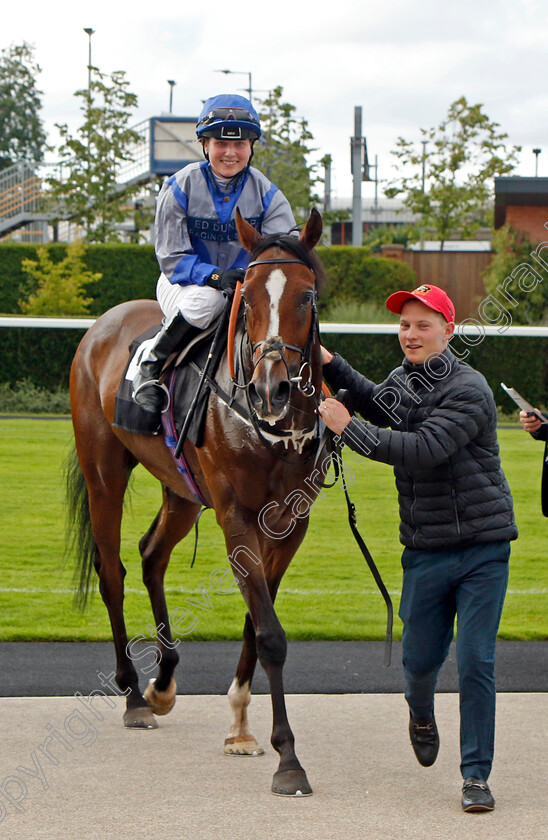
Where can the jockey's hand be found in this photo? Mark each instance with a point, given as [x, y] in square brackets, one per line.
[226, 281]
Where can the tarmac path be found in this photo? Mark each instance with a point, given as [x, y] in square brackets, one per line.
[57, 669]
[70, 771]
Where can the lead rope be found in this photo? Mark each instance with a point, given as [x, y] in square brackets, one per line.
[352, 521]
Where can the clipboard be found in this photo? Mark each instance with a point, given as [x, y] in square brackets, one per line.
[522, 402]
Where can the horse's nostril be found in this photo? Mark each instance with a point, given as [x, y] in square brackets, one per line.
[280, 395]
[254, 396]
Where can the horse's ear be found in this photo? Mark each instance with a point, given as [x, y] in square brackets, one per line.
[247, 234]
[310, 235]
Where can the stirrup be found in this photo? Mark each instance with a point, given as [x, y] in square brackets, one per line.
[147, 383]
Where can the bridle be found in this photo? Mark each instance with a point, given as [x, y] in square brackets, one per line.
[276, 345]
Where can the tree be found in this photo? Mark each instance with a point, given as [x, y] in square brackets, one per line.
[86, 190]
[453, 170]
[22, 135]
[515, 280]
[389, 234]
[61, 284]
[281, 153]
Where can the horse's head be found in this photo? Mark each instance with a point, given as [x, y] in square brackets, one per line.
[279, 294]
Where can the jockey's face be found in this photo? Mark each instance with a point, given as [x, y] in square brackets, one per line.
[227, 157]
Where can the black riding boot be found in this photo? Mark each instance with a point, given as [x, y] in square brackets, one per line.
[147, 391]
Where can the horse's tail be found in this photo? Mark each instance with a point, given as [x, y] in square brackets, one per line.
[79, 534]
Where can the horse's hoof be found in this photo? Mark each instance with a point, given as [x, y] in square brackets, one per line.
[161, 702]
[140, 718]
[291, 783]
[242, 745]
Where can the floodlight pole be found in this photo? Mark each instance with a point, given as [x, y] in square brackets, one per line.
[356, 147]
[89, 32]
[536, 153]
[171, 84]
[240, 73]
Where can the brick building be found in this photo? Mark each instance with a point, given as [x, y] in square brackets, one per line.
[523, 204]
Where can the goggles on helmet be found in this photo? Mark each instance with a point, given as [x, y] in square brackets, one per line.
[229, 124]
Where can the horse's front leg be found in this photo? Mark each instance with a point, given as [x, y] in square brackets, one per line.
[290, 778]
[240, 740]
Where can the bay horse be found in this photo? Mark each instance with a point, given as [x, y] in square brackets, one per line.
[242, 469]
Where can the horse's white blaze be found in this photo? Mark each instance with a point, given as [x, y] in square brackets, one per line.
[239, 697]
[275, 286]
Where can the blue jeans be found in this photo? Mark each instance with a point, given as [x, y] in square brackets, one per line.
[470, 584]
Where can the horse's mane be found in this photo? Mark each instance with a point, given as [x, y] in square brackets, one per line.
[292, 244]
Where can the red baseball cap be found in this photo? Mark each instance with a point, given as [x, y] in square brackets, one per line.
[431, 296]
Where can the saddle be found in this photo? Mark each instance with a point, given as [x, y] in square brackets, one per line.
[180, 375]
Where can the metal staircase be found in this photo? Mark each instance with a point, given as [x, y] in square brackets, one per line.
[20, 197]
[164, 145]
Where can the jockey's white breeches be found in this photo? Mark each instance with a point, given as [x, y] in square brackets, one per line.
[199, 305]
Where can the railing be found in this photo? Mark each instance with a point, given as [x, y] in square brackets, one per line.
[138, 166]
[325, 327]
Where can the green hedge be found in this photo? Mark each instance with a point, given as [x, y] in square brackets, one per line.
[131, 271]
[354, 275]
[44, 356]
[128, 272]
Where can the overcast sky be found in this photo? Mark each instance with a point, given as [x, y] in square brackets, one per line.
[402, 62]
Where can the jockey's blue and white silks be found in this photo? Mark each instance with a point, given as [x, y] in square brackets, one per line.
[195, 221]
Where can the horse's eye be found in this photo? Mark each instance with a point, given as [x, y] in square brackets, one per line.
[307, 299]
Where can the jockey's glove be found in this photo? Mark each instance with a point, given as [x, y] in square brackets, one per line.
[226, 281]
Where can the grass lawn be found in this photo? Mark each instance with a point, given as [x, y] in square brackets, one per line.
[327, 593]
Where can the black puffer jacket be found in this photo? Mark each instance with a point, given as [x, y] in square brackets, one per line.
[443, 447]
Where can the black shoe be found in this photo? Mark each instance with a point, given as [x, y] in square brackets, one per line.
[424, 739]
[152, 396]
[476, 795]
[147, 390]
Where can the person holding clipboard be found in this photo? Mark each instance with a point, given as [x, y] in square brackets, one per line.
[536, 423]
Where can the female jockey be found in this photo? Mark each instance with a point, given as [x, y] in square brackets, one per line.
[196, 241]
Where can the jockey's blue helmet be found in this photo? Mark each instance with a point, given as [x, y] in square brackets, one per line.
[228, 117]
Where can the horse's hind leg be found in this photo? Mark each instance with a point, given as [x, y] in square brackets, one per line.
[106, 465]
[173, 522]
[240, 741]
